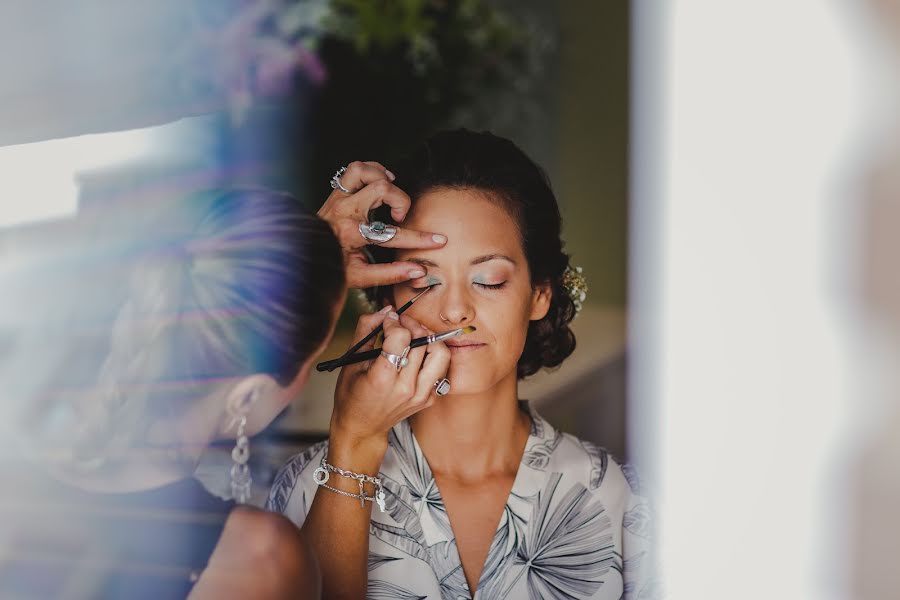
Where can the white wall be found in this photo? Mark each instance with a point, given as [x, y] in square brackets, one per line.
[753, 127]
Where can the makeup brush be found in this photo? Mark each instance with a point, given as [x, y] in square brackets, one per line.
[380, 328]
[349, 359]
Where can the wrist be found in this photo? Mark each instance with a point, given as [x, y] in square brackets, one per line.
[356, 453]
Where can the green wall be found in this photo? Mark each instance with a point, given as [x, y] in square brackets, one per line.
[591, 174]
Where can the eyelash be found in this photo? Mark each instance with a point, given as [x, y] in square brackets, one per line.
[487, 286]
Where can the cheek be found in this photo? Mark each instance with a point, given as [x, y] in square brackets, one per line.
[424, 311]
[508, 321]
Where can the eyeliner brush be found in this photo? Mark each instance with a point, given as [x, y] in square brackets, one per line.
[331, 365]
[379, 329]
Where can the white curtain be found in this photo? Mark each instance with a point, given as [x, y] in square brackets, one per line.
[70, 68]
[769, 394]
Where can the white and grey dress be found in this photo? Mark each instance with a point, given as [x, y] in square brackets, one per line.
[575, 525]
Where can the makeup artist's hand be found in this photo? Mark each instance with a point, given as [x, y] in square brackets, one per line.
[371, 186]
[372, 397]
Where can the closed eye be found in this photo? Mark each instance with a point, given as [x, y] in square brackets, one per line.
[491, 286]
[418, 285]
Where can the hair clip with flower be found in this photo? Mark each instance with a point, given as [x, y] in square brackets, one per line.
[575, 284]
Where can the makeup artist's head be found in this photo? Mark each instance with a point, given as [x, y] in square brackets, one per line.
[502, 268]
[227, 298]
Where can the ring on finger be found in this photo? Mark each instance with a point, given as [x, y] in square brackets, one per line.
[377, 232]
[336, 181]
[397, 360]
[442, 387]
[404, 360]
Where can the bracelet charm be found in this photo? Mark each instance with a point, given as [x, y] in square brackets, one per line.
[323, 473]
[320, 476]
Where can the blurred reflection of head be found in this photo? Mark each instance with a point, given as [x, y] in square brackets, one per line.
[212, 308]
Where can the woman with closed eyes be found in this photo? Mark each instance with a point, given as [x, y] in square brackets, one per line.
[482, 497]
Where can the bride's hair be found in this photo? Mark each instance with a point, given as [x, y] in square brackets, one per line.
[463, 159]
[225, 284]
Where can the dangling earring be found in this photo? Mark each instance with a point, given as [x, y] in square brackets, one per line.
[240, 455]
[240, 470]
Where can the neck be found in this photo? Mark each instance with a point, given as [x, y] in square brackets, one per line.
[142, 469]
[171, 454]
[487, 428]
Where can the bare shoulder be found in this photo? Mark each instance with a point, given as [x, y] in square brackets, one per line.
[261, 555]
[266, 537]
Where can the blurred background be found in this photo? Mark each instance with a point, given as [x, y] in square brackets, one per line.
[180, 95]
[727, 177]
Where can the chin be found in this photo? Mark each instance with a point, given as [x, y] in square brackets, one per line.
[467, 380]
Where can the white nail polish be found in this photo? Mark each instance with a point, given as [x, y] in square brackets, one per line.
[438, 238]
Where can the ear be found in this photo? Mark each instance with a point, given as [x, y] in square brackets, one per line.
[255, 396]
[540, 301]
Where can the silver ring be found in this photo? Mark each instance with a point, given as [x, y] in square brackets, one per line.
[377, 232]
[398, 361]
[442, 387]
[336, 181]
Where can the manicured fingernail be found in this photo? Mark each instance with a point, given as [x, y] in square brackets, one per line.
[393, 315]
[440, 239]
[416, 273]
[390, 175]
[385, 309]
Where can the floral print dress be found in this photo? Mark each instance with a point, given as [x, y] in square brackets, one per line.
[575, 525]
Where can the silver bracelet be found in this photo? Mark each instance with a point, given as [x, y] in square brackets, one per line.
[323, 473]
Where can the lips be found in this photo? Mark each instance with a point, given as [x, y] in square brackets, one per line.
[463, 345]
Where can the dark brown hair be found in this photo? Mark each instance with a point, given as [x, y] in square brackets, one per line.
[225, 283]
[463, 159]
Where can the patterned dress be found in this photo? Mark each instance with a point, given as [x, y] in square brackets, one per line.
[575, 525]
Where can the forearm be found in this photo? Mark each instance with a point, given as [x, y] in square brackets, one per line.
[338, 527]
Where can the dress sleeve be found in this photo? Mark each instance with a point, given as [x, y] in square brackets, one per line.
[293, 490]
[639, 552]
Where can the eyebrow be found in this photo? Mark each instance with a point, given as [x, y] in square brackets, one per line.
[476, 261]
[487, 257]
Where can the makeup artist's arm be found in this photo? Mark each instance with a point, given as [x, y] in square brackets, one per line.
[369, 400]
[371, 186]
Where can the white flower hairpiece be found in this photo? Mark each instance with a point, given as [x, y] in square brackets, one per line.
[575, 285]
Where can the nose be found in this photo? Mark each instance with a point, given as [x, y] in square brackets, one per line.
[456, 307]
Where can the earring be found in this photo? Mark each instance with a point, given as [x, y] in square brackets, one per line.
[240, 470]
[443, 318]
